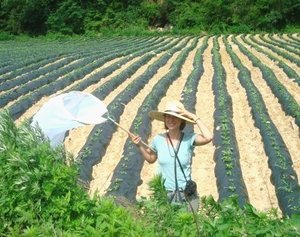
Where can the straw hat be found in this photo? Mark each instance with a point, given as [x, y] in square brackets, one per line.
[172, 108]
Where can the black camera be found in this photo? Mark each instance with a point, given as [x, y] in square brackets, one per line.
[190, 188]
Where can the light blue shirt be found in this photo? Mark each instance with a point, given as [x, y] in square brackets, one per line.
[166, 159]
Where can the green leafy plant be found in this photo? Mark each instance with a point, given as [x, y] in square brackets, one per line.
[39, 189]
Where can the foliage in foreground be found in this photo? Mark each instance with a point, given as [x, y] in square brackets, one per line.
[40, 196]
[215, 219]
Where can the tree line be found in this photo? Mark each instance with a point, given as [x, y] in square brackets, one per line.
[39, 17]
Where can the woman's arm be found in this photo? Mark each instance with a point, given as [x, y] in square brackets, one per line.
[205, 136]
[147, 153]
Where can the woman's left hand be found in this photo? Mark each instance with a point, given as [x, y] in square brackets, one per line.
[187, 114]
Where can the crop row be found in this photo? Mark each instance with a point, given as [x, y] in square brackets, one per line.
[277, 50]
[280, 162]
[291, 73]
[288, 103]
[286, 46]
[280, 40]
[37, 69]
[27, 100]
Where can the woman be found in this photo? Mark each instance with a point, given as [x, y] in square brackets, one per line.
[175, 145]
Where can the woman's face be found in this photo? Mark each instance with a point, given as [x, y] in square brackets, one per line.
[172, 122]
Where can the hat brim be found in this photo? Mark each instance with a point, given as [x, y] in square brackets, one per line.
[161, 116]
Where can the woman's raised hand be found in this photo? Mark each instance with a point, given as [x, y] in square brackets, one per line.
[187, 114]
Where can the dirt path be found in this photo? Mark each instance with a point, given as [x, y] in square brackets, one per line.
[290, 85]
[266, 39]
[285, 124]
[291, 64]
[204, 165]
[253, 160]
[24, 74]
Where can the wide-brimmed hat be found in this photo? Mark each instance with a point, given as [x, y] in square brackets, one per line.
[172, 108]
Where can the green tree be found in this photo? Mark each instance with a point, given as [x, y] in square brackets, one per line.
[36, 17]
[24, 16]
[266, 14]
[67, 19]
[186, 14]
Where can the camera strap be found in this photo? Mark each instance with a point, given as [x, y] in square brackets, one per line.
[176, 156]
[176, 183]
[176, 191]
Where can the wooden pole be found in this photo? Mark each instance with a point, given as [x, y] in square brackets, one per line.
[125, 130]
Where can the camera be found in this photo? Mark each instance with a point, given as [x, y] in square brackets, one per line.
[190, 188]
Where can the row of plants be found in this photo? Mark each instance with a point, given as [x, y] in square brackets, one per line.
[82, 63]
[20, 54]
[228, 171]
[17, 67]
[97, 141]
[13, 70]
[117, 80]
[287, 101]
[25, 73]
[11, 80]
[281, 45]
[145, 53]
[20, 72]
[292, 74]
[40, 196]
[36, 81]
[93, 49]
[23, 55]
[276, 50]
[20, 106]
[282, 40]
[294, 38]
[126, 176]
[283, 175]
[190, 88]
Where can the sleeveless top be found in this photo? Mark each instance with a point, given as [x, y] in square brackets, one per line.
[166, 157]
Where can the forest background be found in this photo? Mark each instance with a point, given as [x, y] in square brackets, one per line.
[136, 17]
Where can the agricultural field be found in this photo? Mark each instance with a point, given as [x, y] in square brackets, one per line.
[246, 89]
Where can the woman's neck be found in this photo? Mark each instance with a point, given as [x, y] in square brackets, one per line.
[174, 134]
